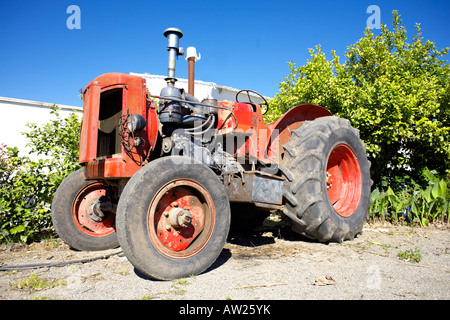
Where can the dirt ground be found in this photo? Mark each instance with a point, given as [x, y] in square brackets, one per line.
[386, 262]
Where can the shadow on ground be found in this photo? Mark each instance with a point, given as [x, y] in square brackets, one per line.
[245, 235]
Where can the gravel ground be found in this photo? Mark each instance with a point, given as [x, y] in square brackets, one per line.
[269, 264]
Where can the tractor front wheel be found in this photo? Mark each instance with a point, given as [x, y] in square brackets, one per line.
[173, 218]
[75, 217]
[327, 193]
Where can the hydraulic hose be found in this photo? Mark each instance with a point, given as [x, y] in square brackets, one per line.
[55, 264]
[194, 131]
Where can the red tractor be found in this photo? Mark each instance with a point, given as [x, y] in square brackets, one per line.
[160, 173]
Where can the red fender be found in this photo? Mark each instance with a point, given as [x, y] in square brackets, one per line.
[291, 120]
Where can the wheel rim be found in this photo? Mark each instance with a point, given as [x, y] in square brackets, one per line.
[343, 180]
[85, 224]
[171, 205]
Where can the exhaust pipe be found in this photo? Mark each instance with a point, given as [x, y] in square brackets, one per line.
[170, 96]
[170, 110]
[173, 36]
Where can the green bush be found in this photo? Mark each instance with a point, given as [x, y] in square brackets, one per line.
[397, 93]
[27, 186]
[412, 203]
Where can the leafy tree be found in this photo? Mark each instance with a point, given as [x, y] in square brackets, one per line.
[395, 92]
[57, 142]
[27, 186]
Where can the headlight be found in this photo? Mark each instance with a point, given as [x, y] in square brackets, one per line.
[135, 122]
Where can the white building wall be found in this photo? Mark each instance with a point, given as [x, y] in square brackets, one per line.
[16, 113]
[202, 90]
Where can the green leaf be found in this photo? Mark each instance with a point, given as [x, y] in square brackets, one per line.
[390, 192]
[435, 191]
[427, 194]
[442, 187]
[17, 229]
[414, 208]
[375, 195]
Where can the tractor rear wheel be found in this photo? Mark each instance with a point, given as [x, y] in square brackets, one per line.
[73, 218]
[327, 193]
[173, 218]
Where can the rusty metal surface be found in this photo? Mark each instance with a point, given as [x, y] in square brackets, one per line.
[191, 75]
[254, 186]
[123, 163]
[267, 189]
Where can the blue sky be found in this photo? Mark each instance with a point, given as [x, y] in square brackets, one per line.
[244, 44]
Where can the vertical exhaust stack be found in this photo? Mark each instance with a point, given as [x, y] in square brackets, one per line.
[173, 36]
[170, 110]
[171, 98]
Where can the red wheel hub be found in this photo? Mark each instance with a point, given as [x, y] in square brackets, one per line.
[343, 180]
[181, 218]
[86, 197]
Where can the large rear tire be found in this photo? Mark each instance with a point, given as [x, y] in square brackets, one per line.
[71, 218]
[327, 192]
[173, 218]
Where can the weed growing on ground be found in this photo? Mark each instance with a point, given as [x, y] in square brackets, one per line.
[410, 255]
[35, 283]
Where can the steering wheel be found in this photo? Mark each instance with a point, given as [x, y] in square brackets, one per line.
[264, 103]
